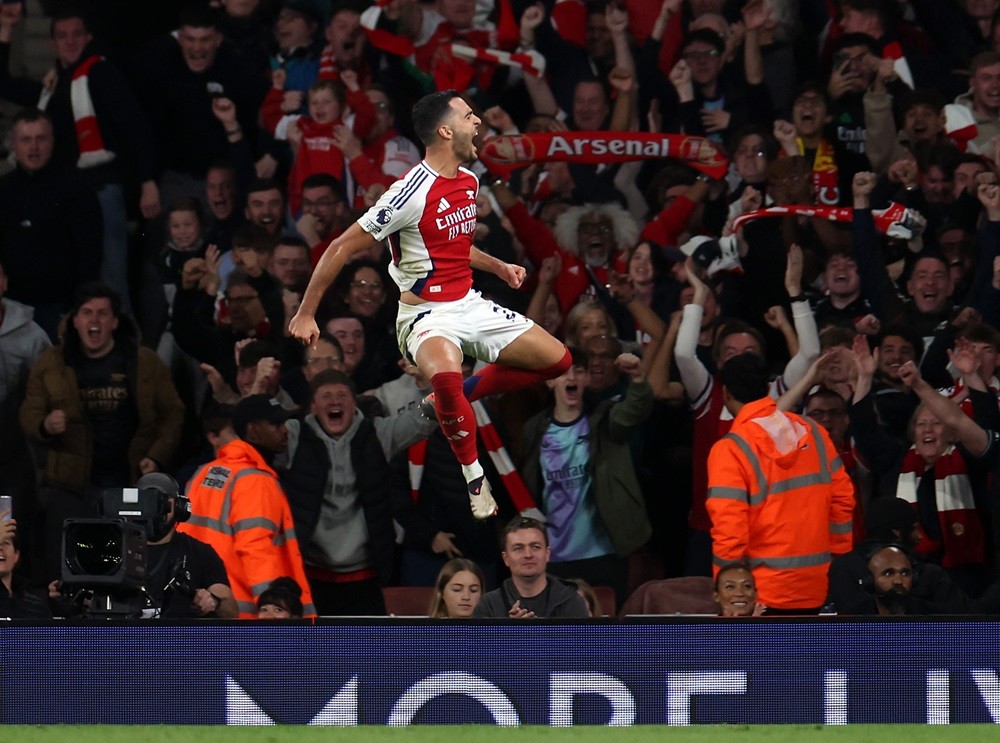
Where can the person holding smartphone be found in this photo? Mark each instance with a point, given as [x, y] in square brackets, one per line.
[15, 601]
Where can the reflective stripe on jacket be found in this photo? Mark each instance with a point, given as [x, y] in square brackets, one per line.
[779, 497]
[238, 507]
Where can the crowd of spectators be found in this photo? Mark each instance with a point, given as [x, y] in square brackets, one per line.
[838, 216]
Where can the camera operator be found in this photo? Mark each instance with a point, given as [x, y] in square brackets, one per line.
[186, 579]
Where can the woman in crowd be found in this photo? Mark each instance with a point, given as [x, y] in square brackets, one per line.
[15, 603]
[458, 588]
[736, 592]
[281, 600]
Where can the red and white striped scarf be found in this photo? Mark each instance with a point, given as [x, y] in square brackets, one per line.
[962, 541]
[530, 62]
[895, 220]
[894, 51]
[88, 133]
[511, 478]
[960, 394]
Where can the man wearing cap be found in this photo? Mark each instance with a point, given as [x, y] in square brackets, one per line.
[238, 507]
[186, 579]
[778, 494]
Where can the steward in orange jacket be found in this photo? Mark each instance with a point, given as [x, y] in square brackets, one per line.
[238, 507]
[778, 494]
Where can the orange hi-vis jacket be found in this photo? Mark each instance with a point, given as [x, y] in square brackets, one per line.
[238, 507]
[780, 498]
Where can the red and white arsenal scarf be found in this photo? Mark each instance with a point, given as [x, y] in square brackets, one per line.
[826, 179]
[507, 32]
[530, 62]
[962, 541]
[88, 134]
[379, 38]
[960, 125]
[900, 66]
[960, 394]
[895, 221]
[509, 475]
[504, 154]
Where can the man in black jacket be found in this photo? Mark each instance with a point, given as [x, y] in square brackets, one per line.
[530, 592]
[111, 155]
[50, 224]
[893, 521]
[344, 495]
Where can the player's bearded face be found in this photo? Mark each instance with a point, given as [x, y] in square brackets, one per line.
[464, 131]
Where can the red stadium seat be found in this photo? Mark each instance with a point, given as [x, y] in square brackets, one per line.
[606, 600]
[407, 601]
[689, 595]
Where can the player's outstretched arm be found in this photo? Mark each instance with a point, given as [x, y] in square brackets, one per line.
[509, 272]
[354, 240]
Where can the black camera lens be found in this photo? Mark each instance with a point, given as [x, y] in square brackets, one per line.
[94, 549]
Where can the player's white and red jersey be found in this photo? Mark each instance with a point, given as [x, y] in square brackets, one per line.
[429, 220]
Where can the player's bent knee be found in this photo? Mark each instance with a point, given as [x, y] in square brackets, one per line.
[560, 367]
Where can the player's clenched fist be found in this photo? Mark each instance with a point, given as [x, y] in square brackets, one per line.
[304, 328]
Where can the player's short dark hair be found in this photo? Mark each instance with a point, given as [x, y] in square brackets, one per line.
[746, 377]
[429, 112]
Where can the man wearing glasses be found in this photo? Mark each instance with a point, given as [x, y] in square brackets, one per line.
[714, 103]
[324, 214]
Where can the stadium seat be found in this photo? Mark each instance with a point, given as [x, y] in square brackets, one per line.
[606, 600]
[407, 601]
[688, 595]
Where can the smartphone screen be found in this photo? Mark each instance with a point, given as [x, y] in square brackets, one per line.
[6, 507]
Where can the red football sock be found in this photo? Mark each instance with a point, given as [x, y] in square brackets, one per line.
[497, 378]
[455, 414]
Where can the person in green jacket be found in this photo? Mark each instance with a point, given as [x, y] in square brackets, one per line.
[577, 463]
[104, 406]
